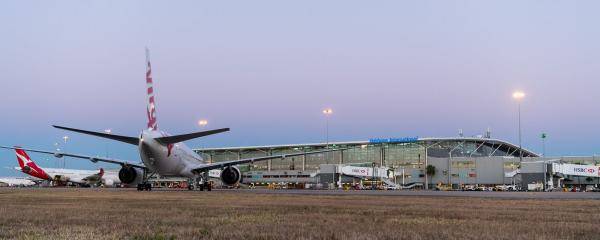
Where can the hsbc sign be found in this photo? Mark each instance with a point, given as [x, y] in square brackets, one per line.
[363, 171]
[357, 171]
[577, 170]
[584, 170]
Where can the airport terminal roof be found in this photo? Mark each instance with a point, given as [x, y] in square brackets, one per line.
[426, 142]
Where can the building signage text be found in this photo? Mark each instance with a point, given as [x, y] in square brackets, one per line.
[394, 140]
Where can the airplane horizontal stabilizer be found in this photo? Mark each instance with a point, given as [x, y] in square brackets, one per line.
[185, 137]
[125, 139]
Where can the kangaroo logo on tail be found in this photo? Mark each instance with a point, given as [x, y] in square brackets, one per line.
[23, 158]
[28, 166]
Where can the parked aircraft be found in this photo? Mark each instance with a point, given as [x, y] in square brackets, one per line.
[81, 177]
[166, 155]
[16, 182]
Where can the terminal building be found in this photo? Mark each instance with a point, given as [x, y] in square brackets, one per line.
[452, 162]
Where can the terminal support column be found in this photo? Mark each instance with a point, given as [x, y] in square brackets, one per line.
[426, 178]
[382, 157]
[304, 162]
[269, 161]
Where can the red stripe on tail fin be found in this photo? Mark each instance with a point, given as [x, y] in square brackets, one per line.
[151, 108]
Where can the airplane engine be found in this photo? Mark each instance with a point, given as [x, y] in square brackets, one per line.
[231, 175]
[130, 175]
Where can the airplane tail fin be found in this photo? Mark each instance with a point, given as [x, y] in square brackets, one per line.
[151, 114]
[125, 139]
[28, 166]
[23, 158]
[151, 108]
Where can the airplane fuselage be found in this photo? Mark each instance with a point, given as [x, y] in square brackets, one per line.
[167, 160]
[73, 175]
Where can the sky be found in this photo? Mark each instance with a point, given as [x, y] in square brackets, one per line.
[268, 68]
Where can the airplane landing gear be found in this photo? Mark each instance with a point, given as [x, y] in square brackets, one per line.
[144, 187]
[204, 183]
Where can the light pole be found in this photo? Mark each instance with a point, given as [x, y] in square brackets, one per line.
[519, 95]
[65, 138]
[57, 160]
[107, 131]
[373, 180]
[544, 136]
[202, 123]
[327, 112]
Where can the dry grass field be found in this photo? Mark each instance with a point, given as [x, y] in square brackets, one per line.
[111, 214]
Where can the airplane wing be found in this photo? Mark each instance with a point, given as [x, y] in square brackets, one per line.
[224, 164]
[91, 158]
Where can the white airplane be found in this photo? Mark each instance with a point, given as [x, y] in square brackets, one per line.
[17, 182]
[166, 155]
[81, 177]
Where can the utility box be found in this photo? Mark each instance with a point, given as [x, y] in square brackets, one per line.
[535, 187]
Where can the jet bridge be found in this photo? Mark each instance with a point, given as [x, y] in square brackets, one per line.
[365, 172]
[554, 172]
[381, 173]
[576, 170]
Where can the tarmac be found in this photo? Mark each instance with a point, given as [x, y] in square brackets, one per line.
[398, 193]
[429, 193]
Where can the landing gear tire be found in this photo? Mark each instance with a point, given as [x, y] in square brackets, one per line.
[201, 187]
[144, 187]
